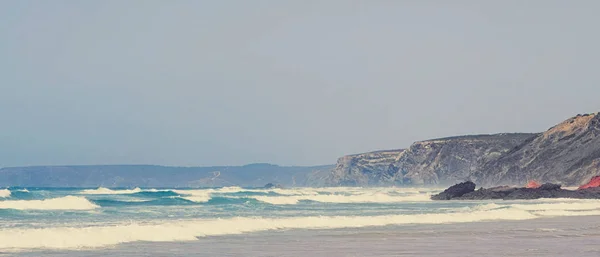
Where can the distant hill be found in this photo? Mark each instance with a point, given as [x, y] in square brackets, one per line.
[568, 153]
[253, 175]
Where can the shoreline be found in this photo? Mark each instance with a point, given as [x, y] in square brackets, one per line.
[552, 236]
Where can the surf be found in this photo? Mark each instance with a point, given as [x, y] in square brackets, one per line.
[366, 198]
[107, 191]
[103, 236]
[5, 193]
[61, 203]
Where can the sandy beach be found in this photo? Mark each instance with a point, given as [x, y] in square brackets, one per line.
[563, 236]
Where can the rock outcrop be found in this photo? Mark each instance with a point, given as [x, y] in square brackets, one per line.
[466, 191]
[455, 191]
[568, 153]
[437, 161]
[373, 168]
[271, 186]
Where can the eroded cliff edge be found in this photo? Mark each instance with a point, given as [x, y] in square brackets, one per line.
[568, 154]
[436, 161]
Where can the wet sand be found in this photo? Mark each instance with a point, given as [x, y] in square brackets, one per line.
[563, 236]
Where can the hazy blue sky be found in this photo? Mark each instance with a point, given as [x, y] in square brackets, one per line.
[286, 82]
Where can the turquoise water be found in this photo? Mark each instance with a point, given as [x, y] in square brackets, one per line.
[68, 218]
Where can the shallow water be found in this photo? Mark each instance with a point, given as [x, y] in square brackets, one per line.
[287, 222]
[564, 236]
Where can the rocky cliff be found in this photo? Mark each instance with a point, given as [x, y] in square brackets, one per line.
[454, 159]
[568, 153]
[374, 168]
[437, 161]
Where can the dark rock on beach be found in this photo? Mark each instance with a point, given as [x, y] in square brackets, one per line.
[465, 191]
[271, 186]
[455, 191]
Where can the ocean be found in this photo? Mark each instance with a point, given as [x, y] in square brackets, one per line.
[234, 221]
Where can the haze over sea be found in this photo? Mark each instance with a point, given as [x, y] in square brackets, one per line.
[166, 95]
[76, 222]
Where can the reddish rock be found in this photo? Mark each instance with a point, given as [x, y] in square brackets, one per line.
[594, 182]
[533, 184]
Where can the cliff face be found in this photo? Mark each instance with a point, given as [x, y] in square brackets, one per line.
[452, 160]
[374, 168]
[568, 153]
[437, 161]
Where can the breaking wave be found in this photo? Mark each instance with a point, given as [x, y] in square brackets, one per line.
[4, 193]
[197, 196]
[205, 195]
[106, 191]
[101, 236]
[189, 223]
[295, 195]
[62, 203]
[349, 191]
[169, 201]
[365, 198]
[280, 196]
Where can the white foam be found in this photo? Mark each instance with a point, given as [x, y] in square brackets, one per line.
[154, 190]
[308, 191]
[327, 195]
[4, 193]
[485, 207]
[133, 200]
[364, 198]
[560, 213]
[96, 236]
[279, 200]
[197, 198]
[232, 189]
[106, 191]
[560, 206]
[204, 195]
[23, 190]
[62, 203]
[193, 192]
[572, 207]
[349, 190]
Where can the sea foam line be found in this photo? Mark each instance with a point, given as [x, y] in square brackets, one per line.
[289, 197]
[365, 198]
[96, 236]
[106, 191]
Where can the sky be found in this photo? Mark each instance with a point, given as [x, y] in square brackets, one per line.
[196, 83]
